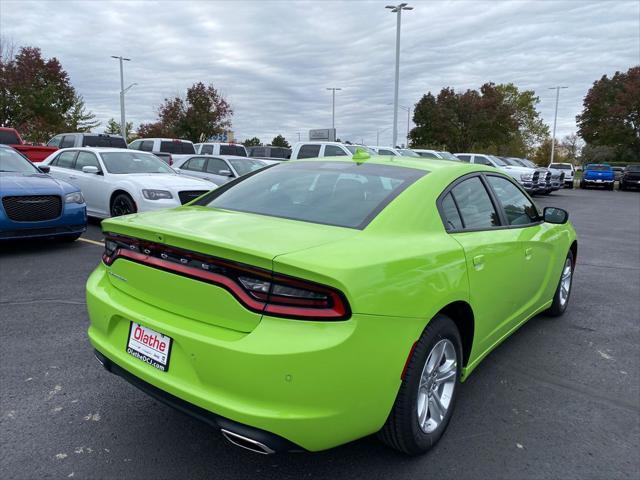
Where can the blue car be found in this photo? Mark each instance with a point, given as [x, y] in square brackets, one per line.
[598, 175]
[34, 204]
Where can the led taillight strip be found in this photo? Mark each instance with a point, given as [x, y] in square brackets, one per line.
[338, 310]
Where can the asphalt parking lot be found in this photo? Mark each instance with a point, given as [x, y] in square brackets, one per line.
[559, 399]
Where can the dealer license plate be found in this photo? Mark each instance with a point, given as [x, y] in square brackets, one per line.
[149, 346]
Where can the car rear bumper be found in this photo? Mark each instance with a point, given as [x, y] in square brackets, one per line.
[598, 181]
[315, 384]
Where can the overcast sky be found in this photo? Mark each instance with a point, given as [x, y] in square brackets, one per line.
[273, 59]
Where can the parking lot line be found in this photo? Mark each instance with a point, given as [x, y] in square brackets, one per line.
[93, 242]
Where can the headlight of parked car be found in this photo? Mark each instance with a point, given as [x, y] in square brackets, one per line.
[75, 197]
[156, 194]
[526, 177]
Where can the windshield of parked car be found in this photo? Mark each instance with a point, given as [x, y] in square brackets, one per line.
[12, 161]
[133, 162]
[560, 166]
[633, 168]
[242, 167]
[497, 160]
[405, 152]
[601, 168]
[344, 194]
[9, 137]
[449, 156]
[352, 149]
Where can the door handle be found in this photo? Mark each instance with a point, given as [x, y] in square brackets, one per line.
[527, 253]
[478, 262]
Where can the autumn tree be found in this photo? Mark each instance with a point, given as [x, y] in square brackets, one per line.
[611, 114]
[37, 98]
[202, 113]
[280, 141]
[252, 142]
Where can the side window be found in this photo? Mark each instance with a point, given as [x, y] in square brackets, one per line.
[451, 215]
[195, 164]
[474, 203]
[382, 151]
[146, 146]
[428, 155]
[86, 159]
[55, 141]
[135, 145]
[259, 152]
[464, 158]
[309, 151]
[479, 159]
[215, 166]
[207, 150]
[68, 141]
[65, 160]
[517, 207]
[333, 151]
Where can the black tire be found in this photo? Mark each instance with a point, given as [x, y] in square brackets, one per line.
[70, 238]
[402, 431]
[557, 308]
[582, 185]
[122, 204]
[610, 187]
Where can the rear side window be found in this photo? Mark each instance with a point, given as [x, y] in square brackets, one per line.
[333, 151]
[237, 150]
[177, 147]
[481, 160]
[103, 141]
[195, 164]
[206, 150]
[332, 193]
[8, 137]
[55, 141]
[518, 208]
[475, 206]
[65, 160]
[464, 158]
[309, 151]
[146, 146]
[451, 215]
[86, 159]
[216, 165]
[68, 141]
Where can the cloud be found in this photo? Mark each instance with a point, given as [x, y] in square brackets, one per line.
[274, 59]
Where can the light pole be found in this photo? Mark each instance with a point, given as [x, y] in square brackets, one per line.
[333, 106]
[298, 135]
[123, 125]
[408, 110]
[378, 132]
[398, 11]
[555, 119]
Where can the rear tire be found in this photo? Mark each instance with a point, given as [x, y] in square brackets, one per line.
[563, 291]
[428, 393]
[122, 204]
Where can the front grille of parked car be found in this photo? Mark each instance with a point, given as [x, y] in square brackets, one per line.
[535, 177]
[32, 208]
[187, 196]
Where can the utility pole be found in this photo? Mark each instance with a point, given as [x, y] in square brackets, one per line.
[397, 9]
[298, 135]
[555, 120]
[333, 106]
[123, 124]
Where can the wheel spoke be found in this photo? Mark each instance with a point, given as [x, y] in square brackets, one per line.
[436, 408]
[435, 357]
[447, 372]
[424, 410]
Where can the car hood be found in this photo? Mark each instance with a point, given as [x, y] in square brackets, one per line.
[162, 180]
[243, 237]
[16, 183]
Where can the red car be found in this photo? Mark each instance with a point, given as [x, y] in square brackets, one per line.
[35, 153]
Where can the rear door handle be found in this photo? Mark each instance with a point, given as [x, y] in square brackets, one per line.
[478, 262]
[527, 253]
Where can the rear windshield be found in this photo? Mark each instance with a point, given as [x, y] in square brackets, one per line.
[601, 168]
[103, 141]
[633, 168]
[177, 147]
[236, 150]
[134, 162]
[343, 194]
[560, 166]
[8, 137]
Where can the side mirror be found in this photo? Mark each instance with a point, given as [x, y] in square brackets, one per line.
[555, 215]
[90, 169]
[44, 168]
[225, 173]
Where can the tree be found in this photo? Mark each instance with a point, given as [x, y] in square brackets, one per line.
[280, 141]
[200, 115]
[572, 145]
[36, 96]
[611, 114]
[252, 142]
[598, 154]
[113, 128]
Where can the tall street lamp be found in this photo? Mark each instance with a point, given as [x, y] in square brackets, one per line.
[123, 124]
[333, 106]
[397, 9]
[555, 119]
[378, 132]
[408, 110]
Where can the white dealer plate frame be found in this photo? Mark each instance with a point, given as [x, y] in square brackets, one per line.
[150, 352]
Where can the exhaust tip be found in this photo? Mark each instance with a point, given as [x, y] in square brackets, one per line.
[247, 443]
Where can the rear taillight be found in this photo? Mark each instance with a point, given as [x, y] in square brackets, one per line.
[257, 289]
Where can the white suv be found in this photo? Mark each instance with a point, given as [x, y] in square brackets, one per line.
[215, 148]
[567, 169]
[525, 176]
[325, 149]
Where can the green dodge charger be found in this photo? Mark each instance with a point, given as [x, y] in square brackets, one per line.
[315, 302]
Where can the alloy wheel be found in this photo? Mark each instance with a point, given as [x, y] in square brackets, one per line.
[565, 282]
